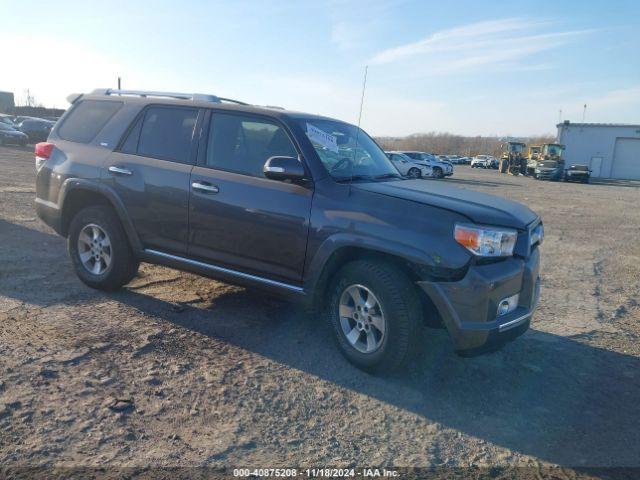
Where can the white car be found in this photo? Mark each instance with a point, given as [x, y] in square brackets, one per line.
[406, 166]
[440, 169]
[480, 161]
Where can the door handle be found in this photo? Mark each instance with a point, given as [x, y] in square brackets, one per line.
[120, 170]
[204, 187]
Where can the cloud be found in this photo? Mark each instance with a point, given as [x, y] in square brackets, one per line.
[624, 96]
[478, 45]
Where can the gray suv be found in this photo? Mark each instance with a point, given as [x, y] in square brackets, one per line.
[301, 205]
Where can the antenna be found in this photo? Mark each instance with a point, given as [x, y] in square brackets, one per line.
[355, 149]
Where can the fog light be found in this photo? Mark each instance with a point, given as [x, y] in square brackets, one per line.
[508, 305]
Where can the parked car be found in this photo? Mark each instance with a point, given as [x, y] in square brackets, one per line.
[36, 129]
[480, 161]
[440, 169]
[300, 205]
[406, 166]
[11, 136]
[7, 120]
[549, 170]
[577, 173]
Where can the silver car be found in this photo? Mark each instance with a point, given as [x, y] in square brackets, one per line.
[406, 166]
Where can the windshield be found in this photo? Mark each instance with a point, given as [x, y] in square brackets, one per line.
[554, 150]
[335, 143]
[516, 147]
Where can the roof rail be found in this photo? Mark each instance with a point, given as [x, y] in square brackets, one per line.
[196, 97]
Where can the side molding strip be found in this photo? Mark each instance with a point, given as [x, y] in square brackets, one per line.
[228, 271]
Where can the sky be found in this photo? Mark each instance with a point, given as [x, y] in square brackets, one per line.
[464, 67]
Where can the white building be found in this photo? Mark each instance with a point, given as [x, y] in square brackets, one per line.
[611, 150]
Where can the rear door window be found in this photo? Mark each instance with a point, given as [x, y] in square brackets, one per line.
[87, 119]
[167, 133]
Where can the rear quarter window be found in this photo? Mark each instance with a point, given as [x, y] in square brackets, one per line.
[87, 119]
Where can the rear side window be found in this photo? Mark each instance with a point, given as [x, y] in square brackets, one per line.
[87, 119]
[167, 133]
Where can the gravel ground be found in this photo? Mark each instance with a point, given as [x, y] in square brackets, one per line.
[177, 370]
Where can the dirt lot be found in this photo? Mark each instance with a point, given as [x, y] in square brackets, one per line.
[177, 370]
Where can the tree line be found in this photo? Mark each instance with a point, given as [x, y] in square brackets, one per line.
[451, 144]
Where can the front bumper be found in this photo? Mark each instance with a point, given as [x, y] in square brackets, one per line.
[548, 175]
[572, 177]
[468, 307]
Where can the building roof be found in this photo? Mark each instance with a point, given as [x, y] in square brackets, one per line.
[569, 124]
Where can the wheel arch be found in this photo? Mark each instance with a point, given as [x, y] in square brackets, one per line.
[347, 253]
[78, 194]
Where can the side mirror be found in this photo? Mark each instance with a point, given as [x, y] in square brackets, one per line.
[283, 168]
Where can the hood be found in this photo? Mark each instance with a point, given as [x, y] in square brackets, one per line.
[479, 207]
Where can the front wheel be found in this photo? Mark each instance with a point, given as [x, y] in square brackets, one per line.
[438, 172]
[99, 249]
[375, 313]
[414, 173]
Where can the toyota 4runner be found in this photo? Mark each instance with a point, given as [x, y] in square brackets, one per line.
[301, 205]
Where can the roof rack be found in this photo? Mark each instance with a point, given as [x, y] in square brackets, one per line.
[196, 97]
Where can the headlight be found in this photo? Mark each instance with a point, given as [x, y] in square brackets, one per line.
[486, 241]
[537, 170]
[537, 235]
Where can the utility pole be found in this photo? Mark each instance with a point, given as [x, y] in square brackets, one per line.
[119, 83]
[560, 116]
[584, 112]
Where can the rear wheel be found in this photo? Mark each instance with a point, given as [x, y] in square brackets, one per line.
[99, 249]
[414, 173]
[375, 314]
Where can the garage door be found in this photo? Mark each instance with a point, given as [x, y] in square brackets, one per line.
[626, 160]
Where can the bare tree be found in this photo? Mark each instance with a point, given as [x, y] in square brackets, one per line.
[450, 144]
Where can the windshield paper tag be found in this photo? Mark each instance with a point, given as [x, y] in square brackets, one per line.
[323, 138]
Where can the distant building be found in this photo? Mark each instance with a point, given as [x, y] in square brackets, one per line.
[7, 102]
[610, 150]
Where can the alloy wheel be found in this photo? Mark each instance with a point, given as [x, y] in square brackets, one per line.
[361, 318]
[94, 249]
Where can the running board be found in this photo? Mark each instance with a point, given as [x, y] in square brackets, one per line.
[227, 271]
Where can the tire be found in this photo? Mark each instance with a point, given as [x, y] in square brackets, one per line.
[414, 173]
[438, 172]
[396, 302]
[122, 265]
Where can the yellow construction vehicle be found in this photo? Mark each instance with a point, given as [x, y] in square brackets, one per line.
[513, 159]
